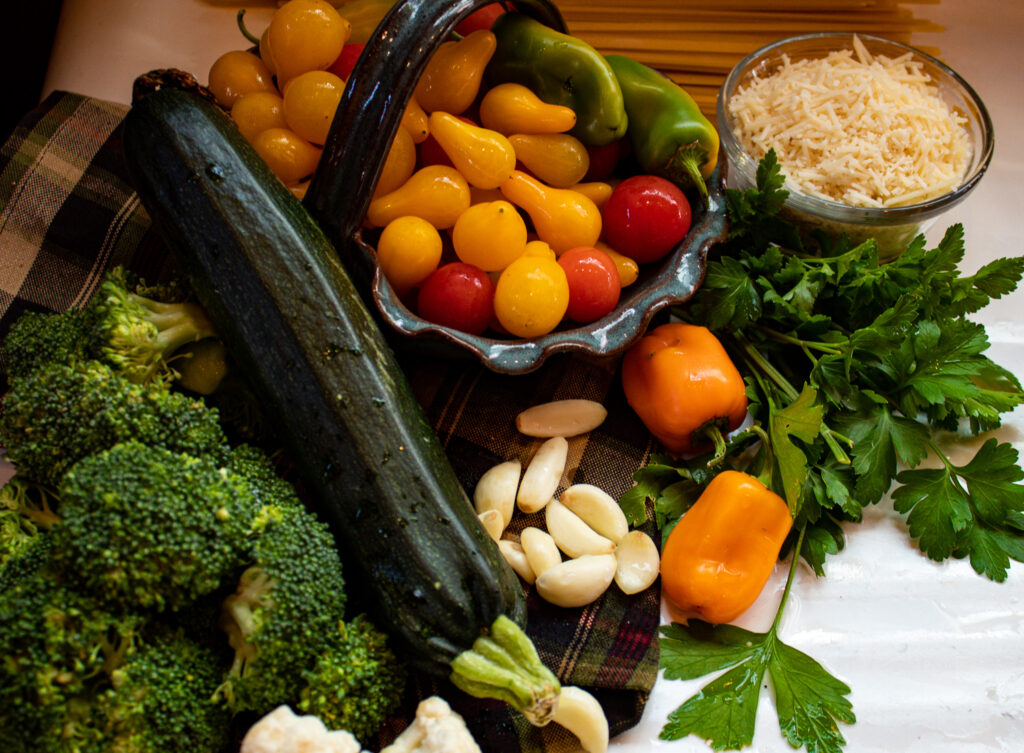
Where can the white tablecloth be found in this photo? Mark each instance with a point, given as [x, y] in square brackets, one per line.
[933, 652]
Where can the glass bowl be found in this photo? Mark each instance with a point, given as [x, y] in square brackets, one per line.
[368, 116]
[892, 227]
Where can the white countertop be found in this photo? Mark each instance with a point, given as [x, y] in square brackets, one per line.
[934, 653]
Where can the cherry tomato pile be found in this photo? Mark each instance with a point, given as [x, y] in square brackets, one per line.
[491, 215]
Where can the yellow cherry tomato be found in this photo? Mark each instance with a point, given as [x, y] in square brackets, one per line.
[237, 73]
[485, 157]
[562, 217]
[409, 249]
[310, 101]
[513, 108]
[437, 193]
[289, 156]
[490, 235]
[304, 35]
[627, 268]
[597, 191]
[531, 296]
[539, 248]
[256, 112]
[558, 159]
[399, 164]
[414, 120]
[451, 78]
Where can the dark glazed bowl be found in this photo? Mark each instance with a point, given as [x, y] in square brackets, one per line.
[367, 119]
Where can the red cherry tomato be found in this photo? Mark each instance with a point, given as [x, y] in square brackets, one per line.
[483, 18]
[645, 217]
[457, 295]
[603, 160]
[342, 67]
[594, 285]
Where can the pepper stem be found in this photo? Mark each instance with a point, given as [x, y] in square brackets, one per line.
[684, 168]
[505, 666]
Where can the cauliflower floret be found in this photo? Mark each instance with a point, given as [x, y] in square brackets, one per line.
[282, 731]
[436, 729]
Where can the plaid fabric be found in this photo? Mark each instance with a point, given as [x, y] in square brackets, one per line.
[68, 213]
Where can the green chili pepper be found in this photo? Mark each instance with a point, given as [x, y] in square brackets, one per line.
[561, 70]
[669, 134]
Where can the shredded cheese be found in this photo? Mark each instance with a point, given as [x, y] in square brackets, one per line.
[862, 130]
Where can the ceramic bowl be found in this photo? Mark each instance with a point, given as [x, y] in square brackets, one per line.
[892, 227]
[369, 115]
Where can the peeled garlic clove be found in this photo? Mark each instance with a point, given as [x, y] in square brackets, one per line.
[496, 490]
[493, 523]
[598, 509]
[540, 481]
[577, 582]
[541, 550]
[572, 535]
[561, 418]
[638, 562]
[580, 713]
[513, 553]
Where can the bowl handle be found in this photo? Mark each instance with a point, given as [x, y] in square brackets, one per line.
[370, 113]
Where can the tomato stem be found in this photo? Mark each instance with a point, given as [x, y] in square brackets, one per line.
[245, 32]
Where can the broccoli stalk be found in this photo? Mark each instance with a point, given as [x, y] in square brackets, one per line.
[25, 510]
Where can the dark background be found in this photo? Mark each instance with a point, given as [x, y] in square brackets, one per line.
[26, 37]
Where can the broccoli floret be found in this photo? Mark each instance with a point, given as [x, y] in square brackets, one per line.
[259, 471]
[135, 334]
[59, 644]
[287, 604]
[59, 414]
[145, 527]
[162, 699]
[138, 335]
[25, 510]
[357, 682]
[37, 338]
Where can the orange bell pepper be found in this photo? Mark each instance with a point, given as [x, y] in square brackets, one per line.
[680, 381]
[722, 551]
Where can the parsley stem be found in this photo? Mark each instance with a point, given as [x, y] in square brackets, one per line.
[789, 578]
[828, 348]
[767, 367]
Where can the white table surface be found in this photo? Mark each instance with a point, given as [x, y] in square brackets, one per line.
[933, 652]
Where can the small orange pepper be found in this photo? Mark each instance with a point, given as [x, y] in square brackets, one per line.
[683, 386]
[720, 554]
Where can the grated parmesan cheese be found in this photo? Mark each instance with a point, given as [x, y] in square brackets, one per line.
[863, 130]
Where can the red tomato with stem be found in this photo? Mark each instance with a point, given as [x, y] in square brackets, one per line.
[346, 61]
[457, 295]
[594, 285]
[645, 217]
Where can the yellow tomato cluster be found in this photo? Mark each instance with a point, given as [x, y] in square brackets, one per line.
[513, 161]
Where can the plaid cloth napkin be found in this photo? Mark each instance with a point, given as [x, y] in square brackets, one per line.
[68, 213]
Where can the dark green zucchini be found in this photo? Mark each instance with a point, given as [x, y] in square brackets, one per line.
[300, 331]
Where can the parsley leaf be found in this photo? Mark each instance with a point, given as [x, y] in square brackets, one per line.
[810, 702]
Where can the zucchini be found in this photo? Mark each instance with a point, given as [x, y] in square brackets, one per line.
[300, 331]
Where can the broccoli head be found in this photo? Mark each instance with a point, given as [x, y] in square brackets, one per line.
[59, 414]
[287, 604]
[146, 527]
[136, 334]
[59, 644]
[25, 510]
[356, 683]
[162, 699]
[37, 338]
[259, 471]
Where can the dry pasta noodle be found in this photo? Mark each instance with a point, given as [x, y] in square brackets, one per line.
[697, 42]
